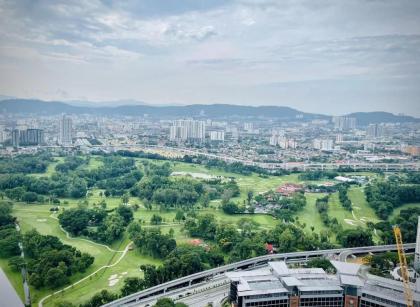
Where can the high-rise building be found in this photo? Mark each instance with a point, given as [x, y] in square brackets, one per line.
[66, 131]
[218, 136]
[323, 144]
[15, 138]
[188, 130]
[375, 131]
[30, 137]
[344, 122]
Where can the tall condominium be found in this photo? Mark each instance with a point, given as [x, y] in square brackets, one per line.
[15, 138]
[344, 122]
[66, 129]
[188, 130]
[31, 137]
[375, 131]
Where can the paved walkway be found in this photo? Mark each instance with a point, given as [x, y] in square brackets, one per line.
[8, 295]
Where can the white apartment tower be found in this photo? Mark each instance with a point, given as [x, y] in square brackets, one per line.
[188, 130]
[66, 131]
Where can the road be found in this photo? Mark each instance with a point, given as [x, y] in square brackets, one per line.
[8, 295]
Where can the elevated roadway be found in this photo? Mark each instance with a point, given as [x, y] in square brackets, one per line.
[196, 280]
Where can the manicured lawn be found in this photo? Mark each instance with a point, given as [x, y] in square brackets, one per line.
[361, 214]
[361, 207]
[94, 163]
[38, 217]
[310, 215]
[397, 211]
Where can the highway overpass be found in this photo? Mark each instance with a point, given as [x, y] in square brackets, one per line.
[189, 281]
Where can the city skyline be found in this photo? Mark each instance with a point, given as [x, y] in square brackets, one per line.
[338, 58]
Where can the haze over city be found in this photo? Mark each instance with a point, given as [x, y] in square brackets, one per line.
[317, 56]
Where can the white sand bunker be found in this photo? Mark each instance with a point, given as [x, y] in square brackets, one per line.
[114, 279]
[113, 282]
[356, 207]
[41, 220]
[350, 222]
[364, 219]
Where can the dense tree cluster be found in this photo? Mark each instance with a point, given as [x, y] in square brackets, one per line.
[25, 164]
[406, 220]
[289, 206]
[9, 237]
[70, 163]
[355, 237]
[167, 302]
[96, 223]
[322, 206]
[29, 189]
[236, 167]
[156, 186]
[318, 175]
[344, 198]
[151, 241]
[384, 196]
[51, 262]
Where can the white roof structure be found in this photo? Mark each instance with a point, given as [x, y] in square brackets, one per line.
[279, 268]
[346, 268]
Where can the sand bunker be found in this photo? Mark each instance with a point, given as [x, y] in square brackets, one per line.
[41, 220]
[350, 222]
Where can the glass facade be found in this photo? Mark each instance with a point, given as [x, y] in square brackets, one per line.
[322, 301]
[273, 303]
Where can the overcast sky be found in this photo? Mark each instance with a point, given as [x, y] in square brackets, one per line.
[322, 56]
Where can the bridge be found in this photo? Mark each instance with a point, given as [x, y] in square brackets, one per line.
[189, 281]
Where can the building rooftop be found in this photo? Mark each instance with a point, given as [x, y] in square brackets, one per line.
[346, 268]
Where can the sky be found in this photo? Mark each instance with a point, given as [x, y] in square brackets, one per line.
[331, 57]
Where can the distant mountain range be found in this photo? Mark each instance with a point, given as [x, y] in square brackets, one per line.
[32, 106]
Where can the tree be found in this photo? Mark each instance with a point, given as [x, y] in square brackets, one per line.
[74, 220]
[55, 278]
[29, 197]
[167, 302]
[179, 216]
[9, 242]
[132, 285]
[126, 213]
[100, 299]
[322, 263]
[156, 219]
[125, 199]
[250, 195]
[17, 263]
[355, 238]
[230, 208]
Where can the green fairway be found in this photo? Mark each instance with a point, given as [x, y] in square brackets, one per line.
[361, 213]
[310, 215]
[397, 211]
[39, 217]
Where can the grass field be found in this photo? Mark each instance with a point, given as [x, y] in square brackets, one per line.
[38, 217]
[310, 215]
[403, 207]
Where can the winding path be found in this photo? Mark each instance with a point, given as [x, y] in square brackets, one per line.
[81, 239]
[124, 252]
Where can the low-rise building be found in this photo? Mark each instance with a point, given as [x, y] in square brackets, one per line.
[279, 285]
